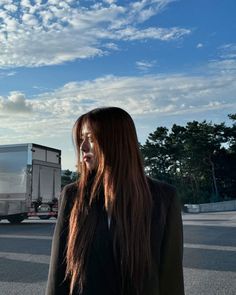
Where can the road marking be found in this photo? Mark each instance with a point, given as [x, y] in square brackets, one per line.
[25, 237]
[186, 245]
[210, 223]
[33, 258]
[209, 247]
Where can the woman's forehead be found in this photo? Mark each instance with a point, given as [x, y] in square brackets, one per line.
[86, 128]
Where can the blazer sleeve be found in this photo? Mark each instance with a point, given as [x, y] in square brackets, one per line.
[57, 285]
[171, 261]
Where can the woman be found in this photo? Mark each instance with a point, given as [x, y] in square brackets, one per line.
[118, 231]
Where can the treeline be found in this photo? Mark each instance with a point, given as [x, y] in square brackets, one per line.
[68, 177]
[199, 159]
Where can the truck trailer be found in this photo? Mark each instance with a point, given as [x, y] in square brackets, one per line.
[30, 181]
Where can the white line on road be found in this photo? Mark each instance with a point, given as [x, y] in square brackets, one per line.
[33, 258]
[186, 245]
[210, 223]
[210, 247]
[26, 237]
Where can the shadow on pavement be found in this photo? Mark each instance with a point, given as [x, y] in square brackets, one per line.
[28, 246]
[24, 272]
[210, 259]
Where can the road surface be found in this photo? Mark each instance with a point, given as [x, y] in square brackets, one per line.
[209, 255]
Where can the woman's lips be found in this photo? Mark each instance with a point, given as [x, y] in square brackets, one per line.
[87, 158]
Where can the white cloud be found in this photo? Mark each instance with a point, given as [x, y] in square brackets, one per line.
[4, 74]
[145, 66]
[110, 1]
[47, 118]
[199, 45]
[9, 74]
[150, 94]
[132, 34]
[112, 46]
[15, 103]
[223, 66]
[5, 2]
[228, 51]
[54, 32]
[143, 10]
[10, 7]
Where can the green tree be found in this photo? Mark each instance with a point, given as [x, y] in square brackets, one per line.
[232, 134]
[191, 157]
[155, 154]
[68, 177]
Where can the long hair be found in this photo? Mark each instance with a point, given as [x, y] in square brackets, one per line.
[127, 198]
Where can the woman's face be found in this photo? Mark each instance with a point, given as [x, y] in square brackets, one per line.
[87, 147]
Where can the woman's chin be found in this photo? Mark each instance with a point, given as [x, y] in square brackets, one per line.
[90, 167]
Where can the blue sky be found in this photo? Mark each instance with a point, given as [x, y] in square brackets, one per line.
[164, 61]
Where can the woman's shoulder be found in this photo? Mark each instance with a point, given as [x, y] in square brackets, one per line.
[70, 189]
[161, 191]
[68, 195]
[161, 186]
[165, 200]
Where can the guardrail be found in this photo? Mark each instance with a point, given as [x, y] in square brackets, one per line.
[211, 207]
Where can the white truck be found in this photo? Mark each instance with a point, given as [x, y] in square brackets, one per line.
[30, 181]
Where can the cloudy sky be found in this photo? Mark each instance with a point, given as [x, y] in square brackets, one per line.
[164, 61]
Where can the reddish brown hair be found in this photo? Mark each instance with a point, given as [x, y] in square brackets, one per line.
[127, 197]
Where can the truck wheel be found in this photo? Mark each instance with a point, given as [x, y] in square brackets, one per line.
[44, 217]
[16, 219]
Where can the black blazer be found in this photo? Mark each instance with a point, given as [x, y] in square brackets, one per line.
[166, 245]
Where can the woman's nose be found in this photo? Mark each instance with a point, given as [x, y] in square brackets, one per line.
[85, 146]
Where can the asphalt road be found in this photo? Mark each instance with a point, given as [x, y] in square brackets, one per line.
[209, 255]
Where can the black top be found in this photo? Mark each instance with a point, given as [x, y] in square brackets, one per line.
[103, 276]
